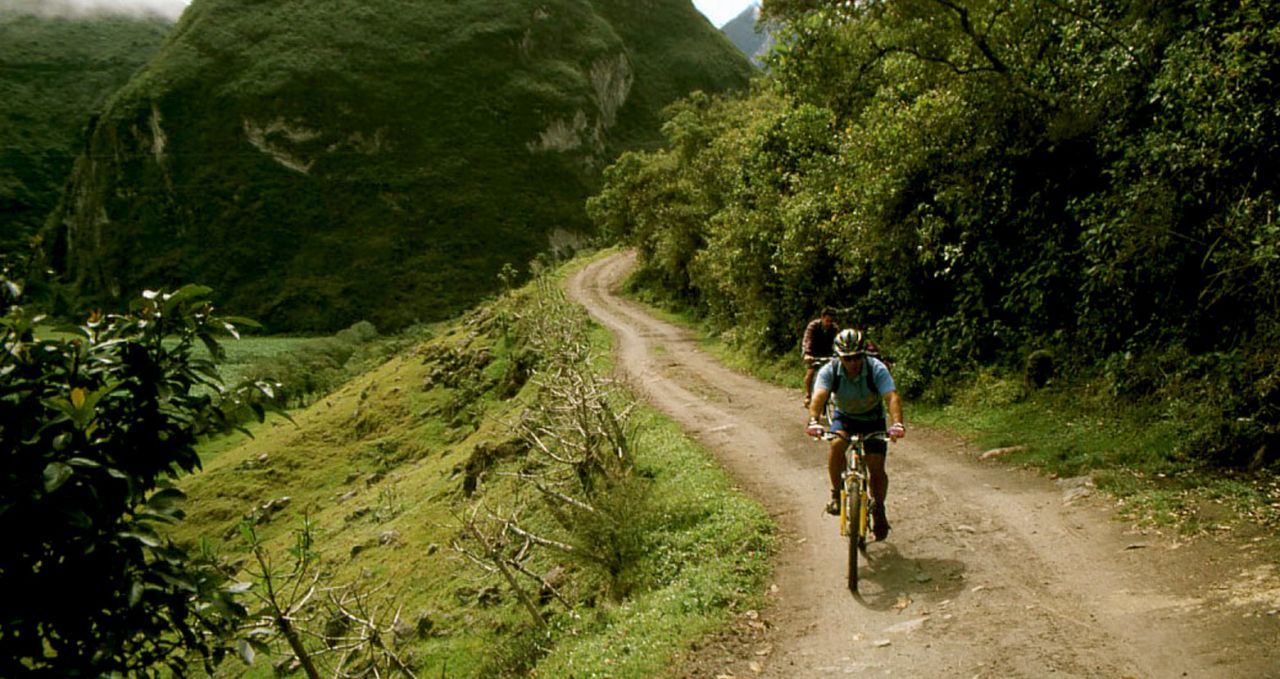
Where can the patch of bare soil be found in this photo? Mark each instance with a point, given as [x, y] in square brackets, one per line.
[990, 571]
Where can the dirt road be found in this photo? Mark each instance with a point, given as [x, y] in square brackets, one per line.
[990, 571]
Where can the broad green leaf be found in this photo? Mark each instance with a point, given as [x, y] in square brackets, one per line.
[267, 389]
[84, 462]
[56, 474]
[181, 583]
[80, 520]
[241, 321]
[60, 404]
[245, 649]
[148, 539]
[183, 294]
[165, 498]
[172, 515]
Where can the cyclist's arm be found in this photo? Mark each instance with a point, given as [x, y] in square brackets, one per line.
[894, 403]
[818, 402]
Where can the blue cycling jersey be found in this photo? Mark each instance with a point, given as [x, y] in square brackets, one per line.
[854, 397]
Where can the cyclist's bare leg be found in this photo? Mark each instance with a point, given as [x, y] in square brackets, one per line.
[809, 371]
[879, 483]
[836, 460]
[879, 479]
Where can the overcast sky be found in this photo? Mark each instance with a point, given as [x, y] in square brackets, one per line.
[167, 8]
[718, 11]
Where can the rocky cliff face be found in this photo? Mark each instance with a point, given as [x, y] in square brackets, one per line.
[318, 164]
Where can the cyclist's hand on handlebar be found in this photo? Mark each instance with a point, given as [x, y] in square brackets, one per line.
[897, 431]
[814, 429]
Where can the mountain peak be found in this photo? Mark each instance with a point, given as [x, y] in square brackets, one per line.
[745, 32]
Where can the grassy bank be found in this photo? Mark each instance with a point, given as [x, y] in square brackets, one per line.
[388, 469]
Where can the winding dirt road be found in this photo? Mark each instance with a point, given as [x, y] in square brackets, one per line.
[990, 571]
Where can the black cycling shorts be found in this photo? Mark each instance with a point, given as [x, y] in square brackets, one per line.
[868, 427]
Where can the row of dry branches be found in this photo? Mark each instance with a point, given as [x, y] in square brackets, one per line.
[567, 504]
[343, 631]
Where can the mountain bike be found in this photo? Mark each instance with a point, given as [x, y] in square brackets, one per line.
[814, 364]
[855, 500]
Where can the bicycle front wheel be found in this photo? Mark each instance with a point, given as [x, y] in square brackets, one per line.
[855, 511]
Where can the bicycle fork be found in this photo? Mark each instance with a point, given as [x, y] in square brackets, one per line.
[854, 480]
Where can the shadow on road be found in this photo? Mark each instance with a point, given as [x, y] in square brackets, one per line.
[888, 577]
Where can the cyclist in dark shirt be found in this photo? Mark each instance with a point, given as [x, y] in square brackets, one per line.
[816, 349]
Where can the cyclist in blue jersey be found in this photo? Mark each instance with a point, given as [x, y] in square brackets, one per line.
[863, 389]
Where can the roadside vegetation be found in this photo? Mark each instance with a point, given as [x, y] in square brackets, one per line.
[1050, 213]
[95, 427]
[440, 474]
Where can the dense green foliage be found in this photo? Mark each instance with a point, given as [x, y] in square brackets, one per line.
[55, 72]
[320, 164]
[93, 428]
[981, 180]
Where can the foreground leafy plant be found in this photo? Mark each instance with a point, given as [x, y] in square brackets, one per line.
[92, 430]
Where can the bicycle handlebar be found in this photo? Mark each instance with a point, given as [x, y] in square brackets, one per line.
[817, 432]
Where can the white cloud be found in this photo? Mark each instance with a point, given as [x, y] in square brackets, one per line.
[721, 12]
[169, 9]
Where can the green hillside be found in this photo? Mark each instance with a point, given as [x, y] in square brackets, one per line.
[54, 73]
[389, 470]
[318, 164]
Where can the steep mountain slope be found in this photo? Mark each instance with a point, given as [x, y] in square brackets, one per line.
[319, 163]
[742, 32]
[53, 73]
